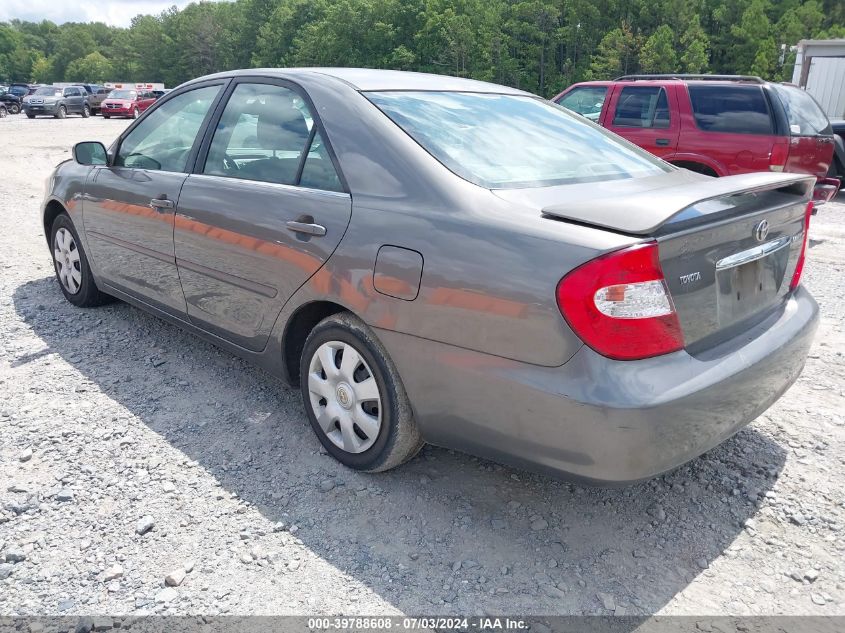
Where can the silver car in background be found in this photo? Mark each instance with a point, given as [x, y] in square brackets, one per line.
[442, 260]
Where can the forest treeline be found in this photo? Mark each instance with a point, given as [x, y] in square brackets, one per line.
[537, 45]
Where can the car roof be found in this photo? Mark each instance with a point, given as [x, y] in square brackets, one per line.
[369, 79]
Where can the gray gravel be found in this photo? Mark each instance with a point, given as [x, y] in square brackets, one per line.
[145, 471]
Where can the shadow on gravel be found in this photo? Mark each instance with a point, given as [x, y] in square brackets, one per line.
[447, 533]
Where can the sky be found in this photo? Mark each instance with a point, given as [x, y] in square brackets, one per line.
[113, 12]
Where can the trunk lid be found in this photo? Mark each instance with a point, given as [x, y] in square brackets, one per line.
[728, 246]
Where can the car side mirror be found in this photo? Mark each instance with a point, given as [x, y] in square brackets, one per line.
[90, 153]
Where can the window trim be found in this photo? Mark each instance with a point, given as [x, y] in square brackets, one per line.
[114, 150]
[773, 120]
[218, 109]
[622, 89]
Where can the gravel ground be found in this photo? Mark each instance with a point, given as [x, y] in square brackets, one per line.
[145, 471]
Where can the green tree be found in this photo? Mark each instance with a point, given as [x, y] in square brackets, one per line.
[93, 68]
[616, 54]
[696, 47]
[658, 54]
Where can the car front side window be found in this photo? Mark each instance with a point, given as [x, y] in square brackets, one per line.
[163, 140]
[263, 135]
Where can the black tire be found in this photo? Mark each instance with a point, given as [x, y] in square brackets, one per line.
[135, 113]
[14, 108]
[398, 438]
[86, 111]
[30, 116]
[61, 113]
[106, 116]
[88, 295]
[2, 112]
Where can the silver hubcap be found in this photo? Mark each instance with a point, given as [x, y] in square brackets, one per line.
[66, 256]
[344, 396]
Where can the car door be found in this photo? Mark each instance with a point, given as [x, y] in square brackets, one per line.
[646, 116]
[73, 100]
[145, 100]
[130, 205]
[263, 210]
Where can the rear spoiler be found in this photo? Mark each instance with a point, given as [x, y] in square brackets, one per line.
[643, 212]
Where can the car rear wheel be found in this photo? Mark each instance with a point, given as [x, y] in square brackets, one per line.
[354, 398]
[86, 111]
[62, 112]
[71, 264]
[14, 108]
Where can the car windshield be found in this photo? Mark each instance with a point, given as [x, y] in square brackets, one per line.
[43, 92]
[805, 116]
[586, 101]
[122, 94]
[512, 141]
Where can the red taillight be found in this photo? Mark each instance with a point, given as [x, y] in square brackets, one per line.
[777, 159]
[619, 305]
[799, 266]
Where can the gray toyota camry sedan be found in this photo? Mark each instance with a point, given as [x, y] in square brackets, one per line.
[442, 260]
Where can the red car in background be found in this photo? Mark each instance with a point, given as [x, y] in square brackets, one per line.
[127, 103]
[712, 124]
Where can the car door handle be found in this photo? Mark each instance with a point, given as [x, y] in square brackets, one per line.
[663, 142]
[162, 204]
[825, 139]
[307, 227]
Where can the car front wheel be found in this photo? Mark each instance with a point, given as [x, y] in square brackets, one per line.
[354, 398]
[61, 113]
[86, 111]
[135, 113]
[71, 264]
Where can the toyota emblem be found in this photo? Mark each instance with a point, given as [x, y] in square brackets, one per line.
[761, 230]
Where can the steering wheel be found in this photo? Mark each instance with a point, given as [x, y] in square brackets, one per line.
[229, 163]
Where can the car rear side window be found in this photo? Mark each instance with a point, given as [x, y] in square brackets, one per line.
[731, 109]
[585, 100]
[805, 116]
[642, 106]
[513, 141]
[263, 135]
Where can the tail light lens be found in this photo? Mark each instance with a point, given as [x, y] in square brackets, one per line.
[799, 267]
[619, 305]
[777, 159]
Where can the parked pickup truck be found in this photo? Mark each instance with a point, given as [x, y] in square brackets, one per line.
[96, 95]
[718, 125]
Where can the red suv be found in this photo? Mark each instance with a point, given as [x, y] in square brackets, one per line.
[129, 103]
[716, 125]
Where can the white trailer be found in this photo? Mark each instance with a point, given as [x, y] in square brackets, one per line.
[820, 70]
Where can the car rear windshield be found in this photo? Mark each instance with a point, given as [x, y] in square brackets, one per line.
[805, 116]
[512, 141]
[730, 109]
[122, 94]
[47, 92]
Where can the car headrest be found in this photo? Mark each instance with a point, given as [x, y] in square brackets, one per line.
[281, 127]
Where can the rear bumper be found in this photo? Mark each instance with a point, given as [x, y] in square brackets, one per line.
[603, 421]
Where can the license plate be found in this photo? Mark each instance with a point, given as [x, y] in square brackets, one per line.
[751, 280]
